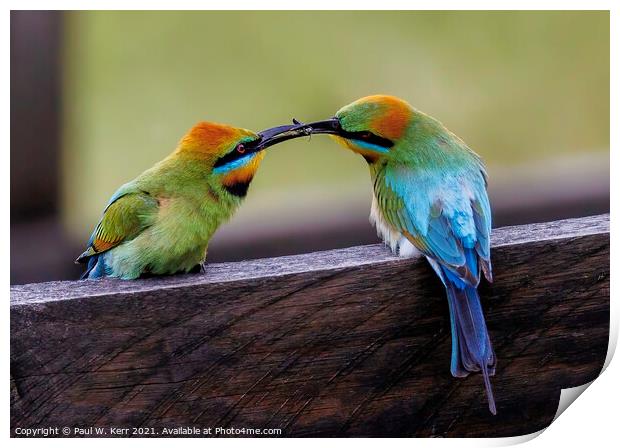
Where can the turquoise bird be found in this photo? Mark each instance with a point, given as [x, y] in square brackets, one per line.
[161, 222]
[430, 196]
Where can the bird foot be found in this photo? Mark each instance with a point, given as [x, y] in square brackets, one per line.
[198, 269]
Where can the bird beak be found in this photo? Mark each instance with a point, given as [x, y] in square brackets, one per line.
[272, 136]
[279, 134]
[331, 126]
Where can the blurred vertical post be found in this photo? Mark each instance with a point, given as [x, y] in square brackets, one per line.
[37, 243]
[35, 113]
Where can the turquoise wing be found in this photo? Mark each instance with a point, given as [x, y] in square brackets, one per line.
[445, 214]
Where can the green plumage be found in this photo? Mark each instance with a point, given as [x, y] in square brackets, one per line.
[161, 222]
[429, 197]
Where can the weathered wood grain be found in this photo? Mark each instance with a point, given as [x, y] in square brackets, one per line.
[351, 342]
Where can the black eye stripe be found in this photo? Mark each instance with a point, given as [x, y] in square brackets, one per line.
[233, 155]
[369, 137]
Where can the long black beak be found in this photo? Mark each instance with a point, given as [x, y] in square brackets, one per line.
[278, 134]
[331, 126]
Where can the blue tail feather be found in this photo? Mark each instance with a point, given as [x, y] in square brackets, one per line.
[471, 345]
[95, 268]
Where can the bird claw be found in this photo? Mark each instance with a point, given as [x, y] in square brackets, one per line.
[198, 269]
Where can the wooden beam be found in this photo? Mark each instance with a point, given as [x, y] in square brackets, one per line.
[351, 342]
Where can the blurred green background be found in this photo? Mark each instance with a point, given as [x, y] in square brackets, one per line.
[529, 91]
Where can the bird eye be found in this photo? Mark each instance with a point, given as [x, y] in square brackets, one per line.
[240, 148]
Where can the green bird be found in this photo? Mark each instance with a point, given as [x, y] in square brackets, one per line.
[161, 222]
[430, 197]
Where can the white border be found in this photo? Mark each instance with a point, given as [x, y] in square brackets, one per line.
[591, 421]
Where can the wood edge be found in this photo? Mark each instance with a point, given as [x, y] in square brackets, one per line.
[373, 254]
